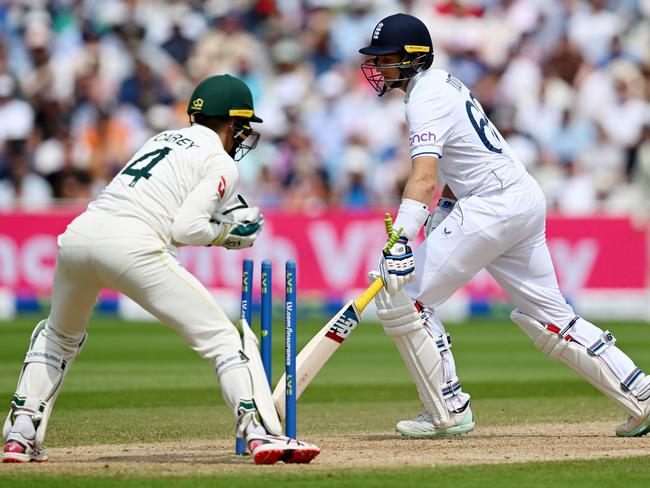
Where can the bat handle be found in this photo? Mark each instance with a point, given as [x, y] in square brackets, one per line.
[388, 221]
[362, 302]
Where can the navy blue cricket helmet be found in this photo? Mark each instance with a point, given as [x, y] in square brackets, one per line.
[397, 34]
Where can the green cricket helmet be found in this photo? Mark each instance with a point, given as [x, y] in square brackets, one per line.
[227, 96]
[222, 95]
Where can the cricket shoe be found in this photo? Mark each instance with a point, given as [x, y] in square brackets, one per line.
[423, 426]
[636, 426]
[18, 449]
[269, 449]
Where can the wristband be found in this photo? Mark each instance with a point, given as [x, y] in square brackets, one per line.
[411, 217]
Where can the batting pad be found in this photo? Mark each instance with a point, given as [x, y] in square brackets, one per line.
[261, 389]
[585, 359]
[418, 349]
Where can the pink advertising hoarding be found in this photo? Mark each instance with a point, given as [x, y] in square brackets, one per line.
[335, 249]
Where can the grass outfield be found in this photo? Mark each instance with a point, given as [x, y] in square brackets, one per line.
[615, 473]
[139, 383]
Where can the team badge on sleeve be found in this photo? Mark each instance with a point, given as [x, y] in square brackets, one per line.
[221, 189]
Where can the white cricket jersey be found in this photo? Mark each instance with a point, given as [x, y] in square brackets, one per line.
[446, 121]
[174, 183]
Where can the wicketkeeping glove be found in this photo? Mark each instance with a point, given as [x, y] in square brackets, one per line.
[238, 225]
[396, 264]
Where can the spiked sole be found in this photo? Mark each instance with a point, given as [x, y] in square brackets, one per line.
[271, 456]
[14, 452]
[292, 456]
[16, 460]
[302, 456]
[16, 457]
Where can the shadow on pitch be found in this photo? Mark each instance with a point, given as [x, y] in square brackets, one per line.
[157, 458]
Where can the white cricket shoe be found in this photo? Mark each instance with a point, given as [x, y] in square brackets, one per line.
[269, 449]
[422, 426]
[18, 449]
[636, 426]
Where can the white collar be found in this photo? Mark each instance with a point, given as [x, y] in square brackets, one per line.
[412, 83]
[210, 133]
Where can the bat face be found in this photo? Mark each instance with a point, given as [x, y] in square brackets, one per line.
[325, 343]
[343, 324]
[317, 352]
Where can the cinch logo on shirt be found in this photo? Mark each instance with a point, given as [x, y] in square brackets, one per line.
[375, 35]
[420, 138]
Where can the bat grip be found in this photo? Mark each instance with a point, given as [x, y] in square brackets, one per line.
[362, 302]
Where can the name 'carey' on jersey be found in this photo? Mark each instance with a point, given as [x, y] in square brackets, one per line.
[176, 138]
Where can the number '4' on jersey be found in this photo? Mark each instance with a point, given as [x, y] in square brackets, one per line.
[145, 171]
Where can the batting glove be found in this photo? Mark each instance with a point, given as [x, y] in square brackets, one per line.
[397, 266]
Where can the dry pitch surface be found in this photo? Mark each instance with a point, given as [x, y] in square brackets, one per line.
[486, 445]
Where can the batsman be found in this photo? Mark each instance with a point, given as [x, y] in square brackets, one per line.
[179, 189]
[491, 214]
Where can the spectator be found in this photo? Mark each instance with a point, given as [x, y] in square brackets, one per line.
[576, 194]
[178, 46]
[71, 184]
[573, 136]
[21, 187]
[566, 82]
[144, 89]
[564, 61]
[642, 174]
[593, 27]
[16, 115]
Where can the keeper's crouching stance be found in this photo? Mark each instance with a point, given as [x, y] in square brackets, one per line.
[179, 189]
[491, 215]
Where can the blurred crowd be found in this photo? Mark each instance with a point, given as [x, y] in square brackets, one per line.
[83, 83]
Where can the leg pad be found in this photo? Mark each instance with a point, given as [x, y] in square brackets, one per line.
[419, 351]
[46, 365]
[580, 345]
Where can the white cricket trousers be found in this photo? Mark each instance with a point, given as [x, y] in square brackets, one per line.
[503, 231]
[101, 251]
[124, 254]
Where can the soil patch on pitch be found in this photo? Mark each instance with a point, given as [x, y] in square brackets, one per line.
[486, 445]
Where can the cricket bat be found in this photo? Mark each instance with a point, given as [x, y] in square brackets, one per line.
[317, 352]
[320, 348]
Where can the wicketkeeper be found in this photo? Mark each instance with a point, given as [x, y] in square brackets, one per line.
[177, 190]
[491, 215]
